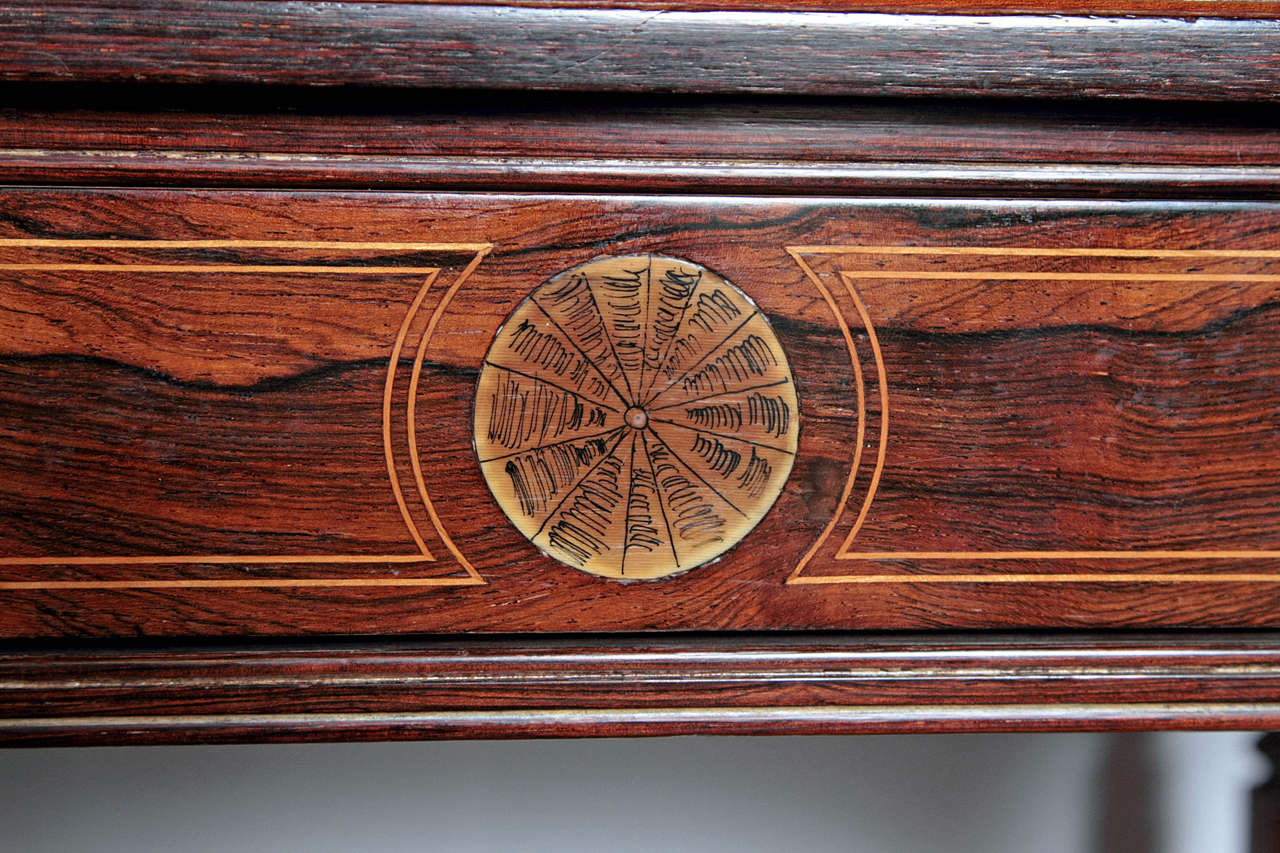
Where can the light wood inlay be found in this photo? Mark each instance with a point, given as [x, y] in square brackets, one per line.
[636, 416]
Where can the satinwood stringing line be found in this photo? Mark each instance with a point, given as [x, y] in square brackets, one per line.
[1132, 554]
[125, 243]
[480, 249]
[971, 275]
[414, 461]
[1019, 251]
[1109, 577]
[860, 387]
[220, 268]
[254, 583]
[387, 395]
[1095, 577]
[231, 559]
[883, 378]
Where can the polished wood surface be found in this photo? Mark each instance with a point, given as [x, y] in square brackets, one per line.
[1020, 260]
[299, 139]
[640, 50]
[1010, 413]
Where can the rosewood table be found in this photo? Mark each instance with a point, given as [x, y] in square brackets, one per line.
[398, 370]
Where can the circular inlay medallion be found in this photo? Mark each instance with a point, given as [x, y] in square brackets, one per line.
[636, 416]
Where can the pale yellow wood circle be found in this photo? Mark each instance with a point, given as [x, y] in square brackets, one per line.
[636, 416]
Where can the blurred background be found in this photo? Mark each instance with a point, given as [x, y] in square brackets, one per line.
[1047, 793]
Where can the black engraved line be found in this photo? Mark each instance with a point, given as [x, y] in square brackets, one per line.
[626, 519]
[648, 296]
[702, 360]
[581, 352]
[582, 527]
[675, 333]
[689, 468]
[574, 487]
[662, 499]
[608, 336]
[578, 394]
[550, 444]
[720, 394]
[771, 413]
[723, 435]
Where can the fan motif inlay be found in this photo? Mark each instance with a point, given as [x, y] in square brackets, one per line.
[636, 416]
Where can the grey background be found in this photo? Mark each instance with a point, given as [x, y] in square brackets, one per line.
[1051, 793]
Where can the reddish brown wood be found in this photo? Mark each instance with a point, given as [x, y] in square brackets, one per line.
[1088, 414]
[1052, 401]
[629, 686]
[669, 146]
[636, 50]
[236, 122]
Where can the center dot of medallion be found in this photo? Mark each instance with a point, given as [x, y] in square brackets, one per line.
[636, 418]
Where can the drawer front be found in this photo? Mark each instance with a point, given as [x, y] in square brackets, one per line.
[231, 412]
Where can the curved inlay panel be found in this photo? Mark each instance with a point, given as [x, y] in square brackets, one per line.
[636, 416]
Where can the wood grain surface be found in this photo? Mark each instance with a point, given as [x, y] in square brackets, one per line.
[155, 136]
[253, 256]
[639, 50]
[231, 412]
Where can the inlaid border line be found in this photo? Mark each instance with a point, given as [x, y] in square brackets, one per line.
[387, 397]
[251, 583]
[794, 252]
[222, 268]
[411, 410]
[882, 377]
[1020, 251]
[971, 275]
[126, 243]
[1110, 577]
[473, 578]
[1094, 577]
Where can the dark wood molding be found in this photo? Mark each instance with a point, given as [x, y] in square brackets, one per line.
[660, 145]
[1154, 8]
[378, 690]
[637, 50]
[574, 175]
[243, 121]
